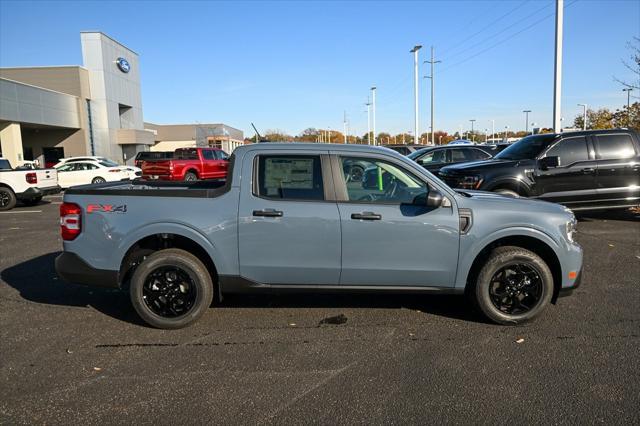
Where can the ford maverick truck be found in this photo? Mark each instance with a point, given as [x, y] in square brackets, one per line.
[289, 218]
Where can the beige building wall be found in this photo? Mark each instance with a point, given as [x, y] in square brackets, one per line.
[172, 145]
[72, 80]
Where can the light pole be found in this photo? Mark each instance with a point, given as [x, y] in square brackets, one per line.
[533, 127]
[432, 77]
[368, 104]
[415, 49]
[628, 90]
[473, 136]
[373, 93]
[344, 124]
[506, 133]
[557, 69]
[584, 116]
[526, 120]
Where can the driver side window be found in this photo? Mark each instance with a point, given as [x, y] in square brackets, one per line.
[369, 180]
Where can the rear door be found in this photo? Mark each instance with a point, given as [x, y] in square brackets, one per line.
[573, 182]
[289, 227]
[222, 163]
[209, 164]
[618, 168]
[387, 239]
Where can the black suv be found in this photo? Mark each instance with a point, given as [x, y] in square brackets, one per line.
[585, 170]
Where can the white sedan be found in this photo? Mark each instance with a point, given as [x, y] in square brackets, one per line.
[73, 173]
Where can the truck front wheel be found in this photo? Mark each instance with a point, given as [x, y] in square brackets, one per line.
[7, 198]
[514, 286]
[171, 289]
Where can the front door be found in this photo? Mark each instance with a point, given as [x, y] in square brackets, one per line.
[388, 237]
[573, 182]
[289, 231]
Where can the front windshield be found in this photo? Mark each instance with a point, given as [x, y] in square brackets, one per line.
[526, 148]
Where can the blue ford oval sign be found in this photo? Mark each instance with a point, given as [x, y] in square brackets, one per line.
[123, 65]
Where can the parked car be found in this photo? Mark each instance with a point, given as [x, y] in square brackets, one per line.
[405, 149]
[598, 169]
[461, 142]
[188, 164]
[83, 172]
[27, 186]
[152, 155]
[287, 219]
[134, 172]
[434, 158]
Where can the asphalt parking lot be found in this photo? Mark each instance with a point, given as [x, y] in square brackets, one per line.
[71, 354]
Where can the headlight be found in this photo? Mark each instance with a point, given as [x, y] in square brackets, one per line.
[571, 228]
[470, 182]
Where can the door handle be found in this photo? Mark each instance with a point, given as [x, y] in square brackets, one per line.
[366, 216]
[268, 213]
[588, 170]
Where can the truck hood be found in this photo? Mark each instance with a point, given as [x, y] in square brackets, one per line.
[505, 203]
[479, 166]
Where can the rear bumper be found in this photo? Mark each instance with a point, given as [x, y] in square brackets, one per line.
[160, 177]
[33, 193]
[72, 268]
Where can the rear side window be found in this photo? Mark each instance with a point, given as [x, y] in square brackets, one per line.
[187, 154]
[290, 177]
[613, 147]
[477, 154]
[570, 150]
[458, 155]
[208, 154]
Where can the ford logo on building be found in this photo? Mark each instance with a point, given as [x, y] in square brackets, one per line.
[123, 65]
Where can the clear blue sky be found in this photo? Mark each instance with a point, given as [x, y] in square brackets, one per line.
[293, 65]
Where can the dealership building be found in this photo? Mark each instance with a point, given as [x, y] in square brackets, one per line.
[51, 112]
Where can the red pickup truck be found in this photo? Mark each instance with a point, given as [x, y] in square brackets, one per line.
[188, 164]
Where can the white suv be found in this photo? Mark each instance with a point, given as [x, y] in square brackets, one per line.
[27, 186]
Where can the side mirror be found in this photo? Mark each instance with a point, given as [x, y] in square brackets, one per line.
[549, 162]
[434, 199]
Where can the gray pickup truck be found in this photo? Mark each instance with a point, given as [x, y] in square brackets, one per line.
[295, 217]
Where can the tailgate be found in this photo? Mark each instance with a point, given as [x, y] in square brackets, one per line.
[158, 167]
[47, 178]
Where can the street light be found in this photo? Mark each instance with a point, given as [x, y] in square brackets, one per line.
[415, 86]
[506, 133]
[584, 116]
[373, 93]
[473, 137]
[628, 90]
[526, 120]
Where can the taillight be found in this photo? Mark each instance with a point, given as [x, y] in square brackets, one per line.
[70, 221]
[31, 178]
[115, 171]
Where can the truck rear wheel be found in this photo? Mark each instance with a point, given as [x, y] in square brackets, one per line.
[514, 286]
[171, 289]
[7, 198]
[190, 177]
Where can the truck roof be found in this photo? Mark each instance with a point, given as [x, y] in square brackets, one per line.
[304, 146]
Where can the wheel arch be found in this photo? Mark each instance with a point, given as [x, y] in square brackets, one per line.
[518, 186]
[160, 236]
[543, 247]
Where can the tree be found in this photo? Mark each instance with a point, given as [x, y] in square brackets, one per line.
[633, 65]
[275, 135]
[628, 118]
[384, 138]
[600, 119]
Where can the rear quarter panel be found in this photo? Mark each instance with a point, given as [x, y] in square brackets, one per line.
[106, 237]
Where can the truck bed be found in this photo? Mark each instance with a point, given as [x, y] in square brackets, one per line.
[201, 189]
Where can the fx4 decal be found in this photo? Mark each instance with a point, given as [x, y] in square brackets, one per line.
[106, 208]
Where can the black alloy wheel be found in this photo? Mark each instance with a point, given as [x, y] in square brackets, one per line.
[516, 289]
[169, 292]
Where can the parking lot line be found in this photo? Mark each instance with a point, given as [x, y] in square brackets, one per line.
[22, 211]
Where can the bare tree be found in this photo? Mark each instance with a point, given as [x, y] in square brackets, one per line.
[633, 65]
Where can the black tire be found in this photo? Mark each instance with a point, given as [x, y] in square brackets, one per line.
[190, 177]
[492, 297]
[7, 198]
[98, 180]
[175, 306]
[507, 192]
[32, 201]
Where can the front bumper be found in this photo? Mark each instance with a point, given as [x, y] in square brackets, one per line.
[33, 192]
[72, 268]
